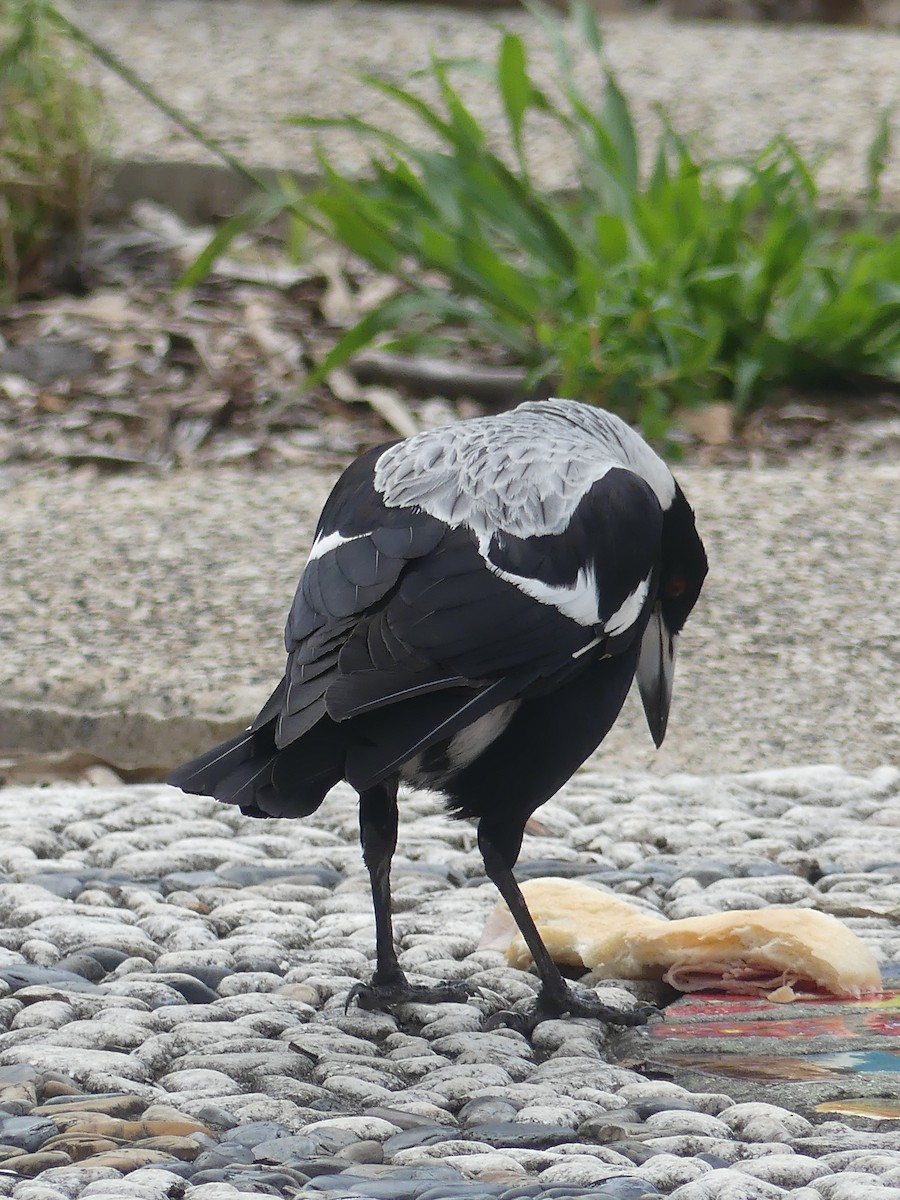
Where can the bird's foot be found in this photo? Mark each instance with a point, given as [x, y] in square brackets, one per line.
[378, 996]
[570, 1002]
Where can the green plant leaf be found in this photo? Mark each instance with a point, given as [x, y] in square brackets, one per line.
[747, 374]
[876, 159]
[553, 29]
[385, 316]
[616, 117]
[426, 113]
[612, 238]
[586, 23]
[466, 133]
[260, 211]
[515, 87]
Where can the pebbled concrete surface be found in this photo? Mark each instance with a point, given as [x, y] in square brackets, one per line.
[140, 618]
[193, 967]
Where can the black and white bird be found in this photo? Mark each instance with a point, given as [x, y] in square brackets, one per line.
[476, 604]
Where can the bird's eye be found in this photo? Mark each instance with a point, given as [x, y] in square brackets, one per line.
[675, 587]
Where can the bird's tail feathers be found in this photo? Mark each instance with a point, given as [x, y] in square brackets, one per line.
[249, 770]
[202, 775]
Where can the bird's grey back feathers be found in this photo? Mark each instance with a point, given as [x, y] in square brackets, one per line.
[522, 472]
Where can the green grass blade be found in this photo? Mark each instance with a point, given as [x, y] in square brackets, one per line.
[553, 30]
[617, 120]
[364, 129]
[585, 19]
[468, 135]
[251, 218]
[876, 159]
[515, 89]
[424, 111]
[388, 315]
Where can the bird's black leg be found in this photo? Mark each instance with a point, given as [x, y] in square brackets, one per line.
[556, 998]
[378, 834]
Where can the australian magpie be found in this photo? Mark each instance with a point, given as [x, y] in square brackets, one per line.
[475, 606]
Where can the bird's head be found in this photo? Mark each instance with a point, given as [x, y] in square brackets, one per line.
[683, 568]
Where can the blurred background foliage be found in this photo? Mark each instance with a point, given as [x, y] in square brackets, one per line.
[51, 151]
[649, 288]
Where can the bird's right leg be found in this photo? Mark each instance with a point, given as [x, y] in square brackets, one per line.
[389, 986]
[556, 998]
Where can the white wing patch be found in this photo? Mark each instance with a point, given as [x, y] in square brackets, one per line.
[327, 542]
[577, 600]
[629, 610]
[466, 745]
[463, 748]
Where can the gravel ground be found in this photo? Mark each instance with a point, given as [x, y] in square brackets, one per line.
[261, 61]
[143, 617]
[173, 981]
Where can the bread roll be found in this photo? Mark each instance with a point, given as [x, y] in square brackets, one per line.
[780, 953]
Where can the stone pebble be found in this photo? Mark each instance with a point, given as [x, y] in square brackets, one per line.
[681, 1121]
[760, 1122]
[854, 1185]
[662, 1095]
[727, 1183]
[874, 1162]
[784, 1170]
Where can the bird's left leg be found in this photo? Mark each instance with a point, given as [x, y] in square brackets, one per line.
[555, 998]
[378, 834]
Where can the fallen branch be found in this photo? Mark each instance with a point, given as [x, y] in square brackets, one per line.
[498, 386]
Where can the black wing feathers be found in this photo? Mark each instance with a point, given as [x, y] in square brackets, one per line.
[401, 634]
[454, 609]
[410, 607]
[250, 771]
[340, 586]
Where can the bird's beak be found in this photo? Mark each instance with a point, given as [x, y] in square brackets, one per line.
[656, 672]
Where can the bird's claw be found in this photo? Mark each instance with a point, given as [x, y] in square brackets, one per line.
[353, 994]
[519, 1022]
[375, 997]
[571, 1004]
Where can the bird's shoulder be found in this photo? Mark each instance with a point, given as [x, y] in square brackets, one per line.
[558, 509]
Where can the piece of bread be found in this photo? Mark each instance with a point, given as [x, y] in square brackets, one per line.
[776, 952]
